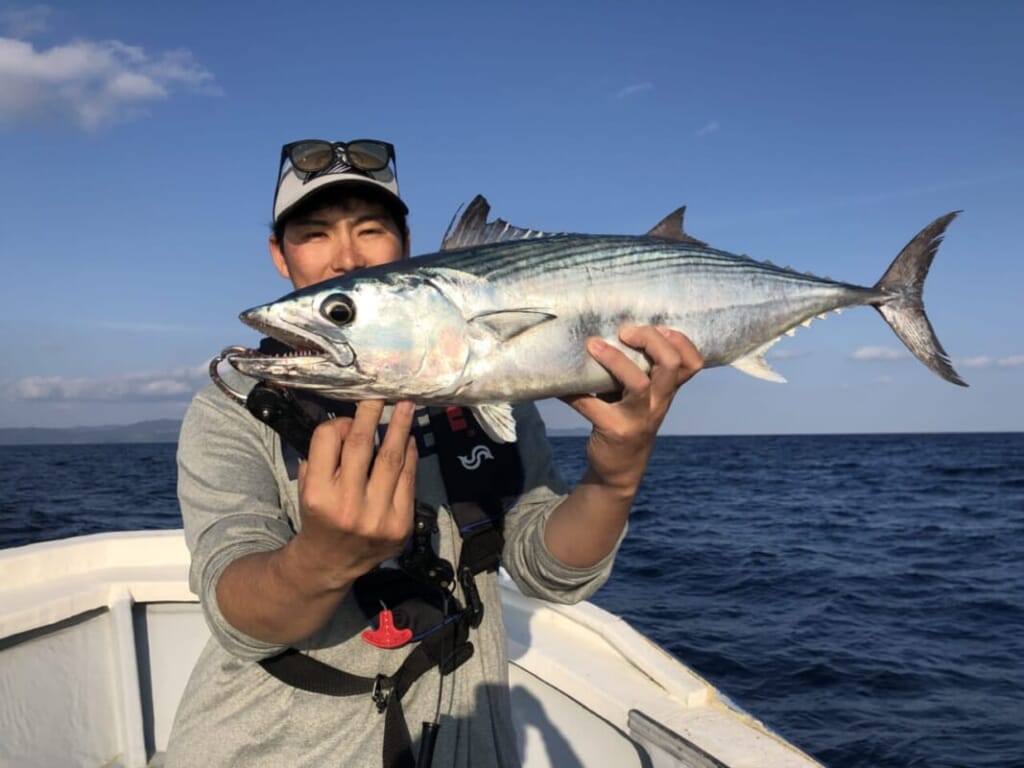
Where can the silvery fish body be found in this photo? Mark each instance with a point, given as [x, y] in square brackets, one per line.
[486, 324]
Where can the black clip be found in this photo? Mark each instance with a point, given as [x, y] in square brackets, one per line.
[382, 688]
[279, 410]
[420, 560]
[474, 605]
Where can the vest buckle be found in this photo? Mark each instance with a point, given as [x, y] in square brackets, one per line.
[382, 689]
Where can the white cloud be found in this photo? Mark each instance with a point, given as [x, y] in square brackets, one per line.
[878, 353]
[92, 84]
[979, 361]
[171, 384]
[24, 22]
[632, 90]
[787, 354]
[987, 361]
[709, 128]
[872, 354]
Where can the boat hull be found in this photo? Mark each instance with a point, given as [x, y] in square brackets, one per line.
[98, 635]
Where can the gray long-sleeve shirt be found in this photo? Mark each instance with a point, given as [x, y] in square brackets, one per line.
[236, 499]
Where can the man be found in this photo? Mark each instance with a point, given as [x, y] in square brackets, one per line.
[290, 563]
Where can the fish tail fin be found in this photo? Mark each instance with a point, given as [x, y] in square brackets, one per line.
[902, 304]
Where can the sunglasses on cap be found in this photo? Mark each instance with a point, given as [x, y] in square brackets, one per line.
[316, 155]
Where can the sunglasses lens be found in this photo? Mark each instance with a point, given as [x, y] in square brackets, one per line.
[312, 156]
[367, 155]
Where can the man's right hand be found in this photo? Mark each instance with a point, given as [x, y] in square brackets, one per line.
[357, 510]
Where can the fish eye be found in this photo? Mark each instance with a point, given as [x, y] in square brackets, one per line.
[339, 309]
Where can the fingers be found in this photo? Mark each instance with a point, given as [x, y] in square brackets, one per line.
[324, 452]
[674, 361]
[357, 451]
[389, 467]
[582, 404]
[357, 515]
[674, 358]
[614, 360]
[664, 348]
[664, 356]
[594, 409]
[342, 451]
[405, 489]
[690, 358]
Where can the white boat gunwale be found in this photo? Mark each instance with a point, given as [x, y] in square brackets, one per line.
[672, 716]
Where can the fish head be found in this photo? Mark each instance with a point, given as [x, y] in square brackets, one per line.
[389, 335]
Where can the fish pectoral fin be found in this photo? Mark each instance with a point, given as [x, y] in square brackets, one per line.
[497, 421]
[508, 323]
[755, 365]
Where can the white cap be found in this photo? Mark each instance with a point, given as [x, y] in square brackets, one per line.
[294, 186]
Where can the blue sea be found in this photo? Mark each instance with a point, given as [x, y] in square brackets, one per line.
[861, 594]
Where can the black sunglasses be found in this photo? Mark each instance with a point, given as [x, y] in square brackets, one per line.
[315, 155]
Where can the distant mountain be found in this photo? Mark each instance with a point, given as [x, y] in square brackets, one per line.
[157, 431]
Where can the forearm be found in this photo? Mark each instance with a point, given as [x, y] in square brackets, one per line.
[280, 596]
[586, 527]
[588, 524]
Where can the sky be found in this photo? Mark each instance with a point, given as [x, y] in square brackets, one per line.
[140, 142]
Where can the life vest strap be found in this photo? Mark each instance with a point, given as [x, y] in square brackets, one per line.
[479, 476]
[308, 674]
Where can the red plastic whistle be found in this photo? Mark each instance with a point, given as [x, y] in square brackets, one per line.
[387, 635]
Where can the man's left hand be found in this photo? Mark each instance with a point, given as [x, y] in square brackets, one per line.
[625, 429]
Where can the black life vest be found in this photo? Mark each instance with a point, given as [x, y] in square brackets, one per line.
[478, 474]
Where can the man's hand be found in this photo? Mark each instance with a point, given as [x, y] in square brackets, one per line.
[586, 526]
[624, 430]
[357, 510]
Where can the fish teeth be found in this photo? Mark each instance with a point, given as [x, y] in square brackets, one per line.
[301, 353]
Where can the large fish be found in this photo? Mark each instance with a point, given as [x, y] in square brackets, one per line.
[501, 314]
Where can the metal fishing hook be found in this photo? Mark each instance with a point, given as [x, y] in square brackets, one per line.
[225, 354]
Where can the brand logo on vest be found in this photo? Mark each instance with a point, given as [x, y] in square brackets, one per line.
[476, 457]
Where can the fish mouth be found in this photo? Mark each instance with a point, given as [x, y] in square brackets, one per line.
[299, 367]
[302, 342]
[309, 362]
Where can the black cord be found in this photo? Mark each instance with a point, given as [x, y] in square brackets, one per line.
[428, 738]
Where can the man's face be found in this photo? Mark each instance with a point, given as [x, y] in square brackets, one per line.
[330, 241]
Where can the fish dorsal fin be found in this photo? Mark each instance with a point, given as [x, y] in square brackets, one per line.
[508, 323]
[671, 228]
[474, 229]
[497, 421]
[755, 365]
